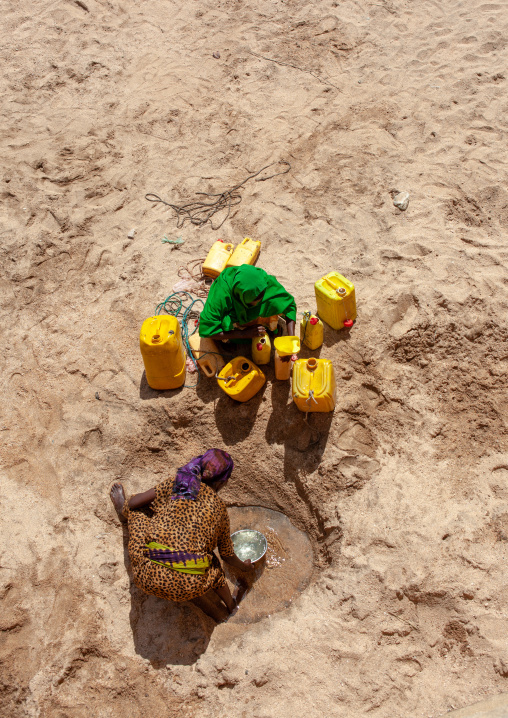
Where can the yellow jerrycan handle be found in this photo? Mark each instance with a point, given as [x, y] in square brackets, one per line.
[342, 291]
[156, 333]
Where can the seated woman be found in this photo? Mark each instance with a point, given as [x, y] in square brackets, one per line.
[171, 551]
[240, 302]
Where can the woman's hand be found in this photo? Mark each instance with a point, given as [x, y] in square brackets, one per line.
[256, 331]
[238, 564]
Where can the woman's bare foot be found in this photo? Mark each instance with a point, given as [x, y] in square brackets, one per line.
[117, 496]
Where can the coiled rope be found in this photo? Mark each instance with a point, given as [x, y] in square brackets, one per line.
[200, 212]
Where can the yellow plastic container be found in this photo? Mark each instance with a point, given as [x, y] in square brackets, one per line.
[336, 302]
[246, 253]
[241, 379]
[286, 346]
[311, 331]
[163, 353]
[283, 368]
[261, 349]
[217, 258]
[206, 353]
[313, 386]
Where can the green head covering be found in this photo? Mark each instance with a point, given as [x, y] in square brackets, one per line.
[233, 291]
[247, 284]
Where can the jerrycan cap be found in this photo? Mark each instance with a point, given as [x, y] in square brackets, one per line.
[286, 346]
[348, 323]
[259, 346]
[314, 320]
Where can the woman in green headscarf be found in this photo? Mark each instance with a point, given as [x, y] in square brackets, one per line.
[242, 296]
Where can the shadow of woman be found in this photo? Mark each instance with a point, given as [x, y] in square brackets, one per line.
[234, 419]
[164, 632]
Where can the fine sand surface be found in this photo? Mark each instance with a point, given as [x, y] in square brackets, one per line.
[405, 497]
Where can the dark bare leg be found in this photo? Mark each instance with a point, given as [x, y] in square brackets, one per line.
[117, 496]
[225, 595]
[208, 608]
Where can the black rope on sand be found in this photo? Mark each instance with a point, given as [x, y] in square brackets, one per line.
[199, 213]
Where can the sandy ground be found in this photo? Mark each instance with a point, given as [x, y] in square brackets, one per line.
[405, 497]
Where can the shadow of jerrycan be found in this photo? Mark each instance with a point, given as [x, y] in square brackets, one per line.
[163, 353]
[241, 379]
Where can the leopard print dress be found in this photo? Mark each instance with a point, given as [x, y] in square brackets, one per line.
[184, 525]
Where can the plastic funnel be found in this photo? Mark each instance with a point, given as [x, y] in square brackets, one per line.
[286, 346]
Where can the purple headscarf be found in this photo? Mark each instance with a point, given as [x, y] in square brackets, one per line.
[213, 465]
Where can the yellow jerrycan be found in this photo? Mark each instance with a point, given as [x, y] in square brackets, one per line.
[261, 349]
[246, 253]
[336, 303]
[241, 379]
[206, 353]
[217, 258]
[313, 386]
[163, 353]
[285, 347]
[311, 331]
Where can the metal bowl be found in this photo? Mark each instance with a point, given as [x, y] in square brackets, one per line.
[249, 543]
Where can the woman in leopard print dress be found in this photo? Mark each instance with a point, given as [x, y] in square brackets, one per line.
[172, 549]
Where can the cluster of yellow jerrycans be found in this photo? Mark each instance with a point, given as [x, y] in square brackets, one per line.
[223, 254]
[313, 381]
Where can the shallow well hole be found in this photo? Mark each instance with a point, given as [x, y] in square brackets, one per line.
[284, 572]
